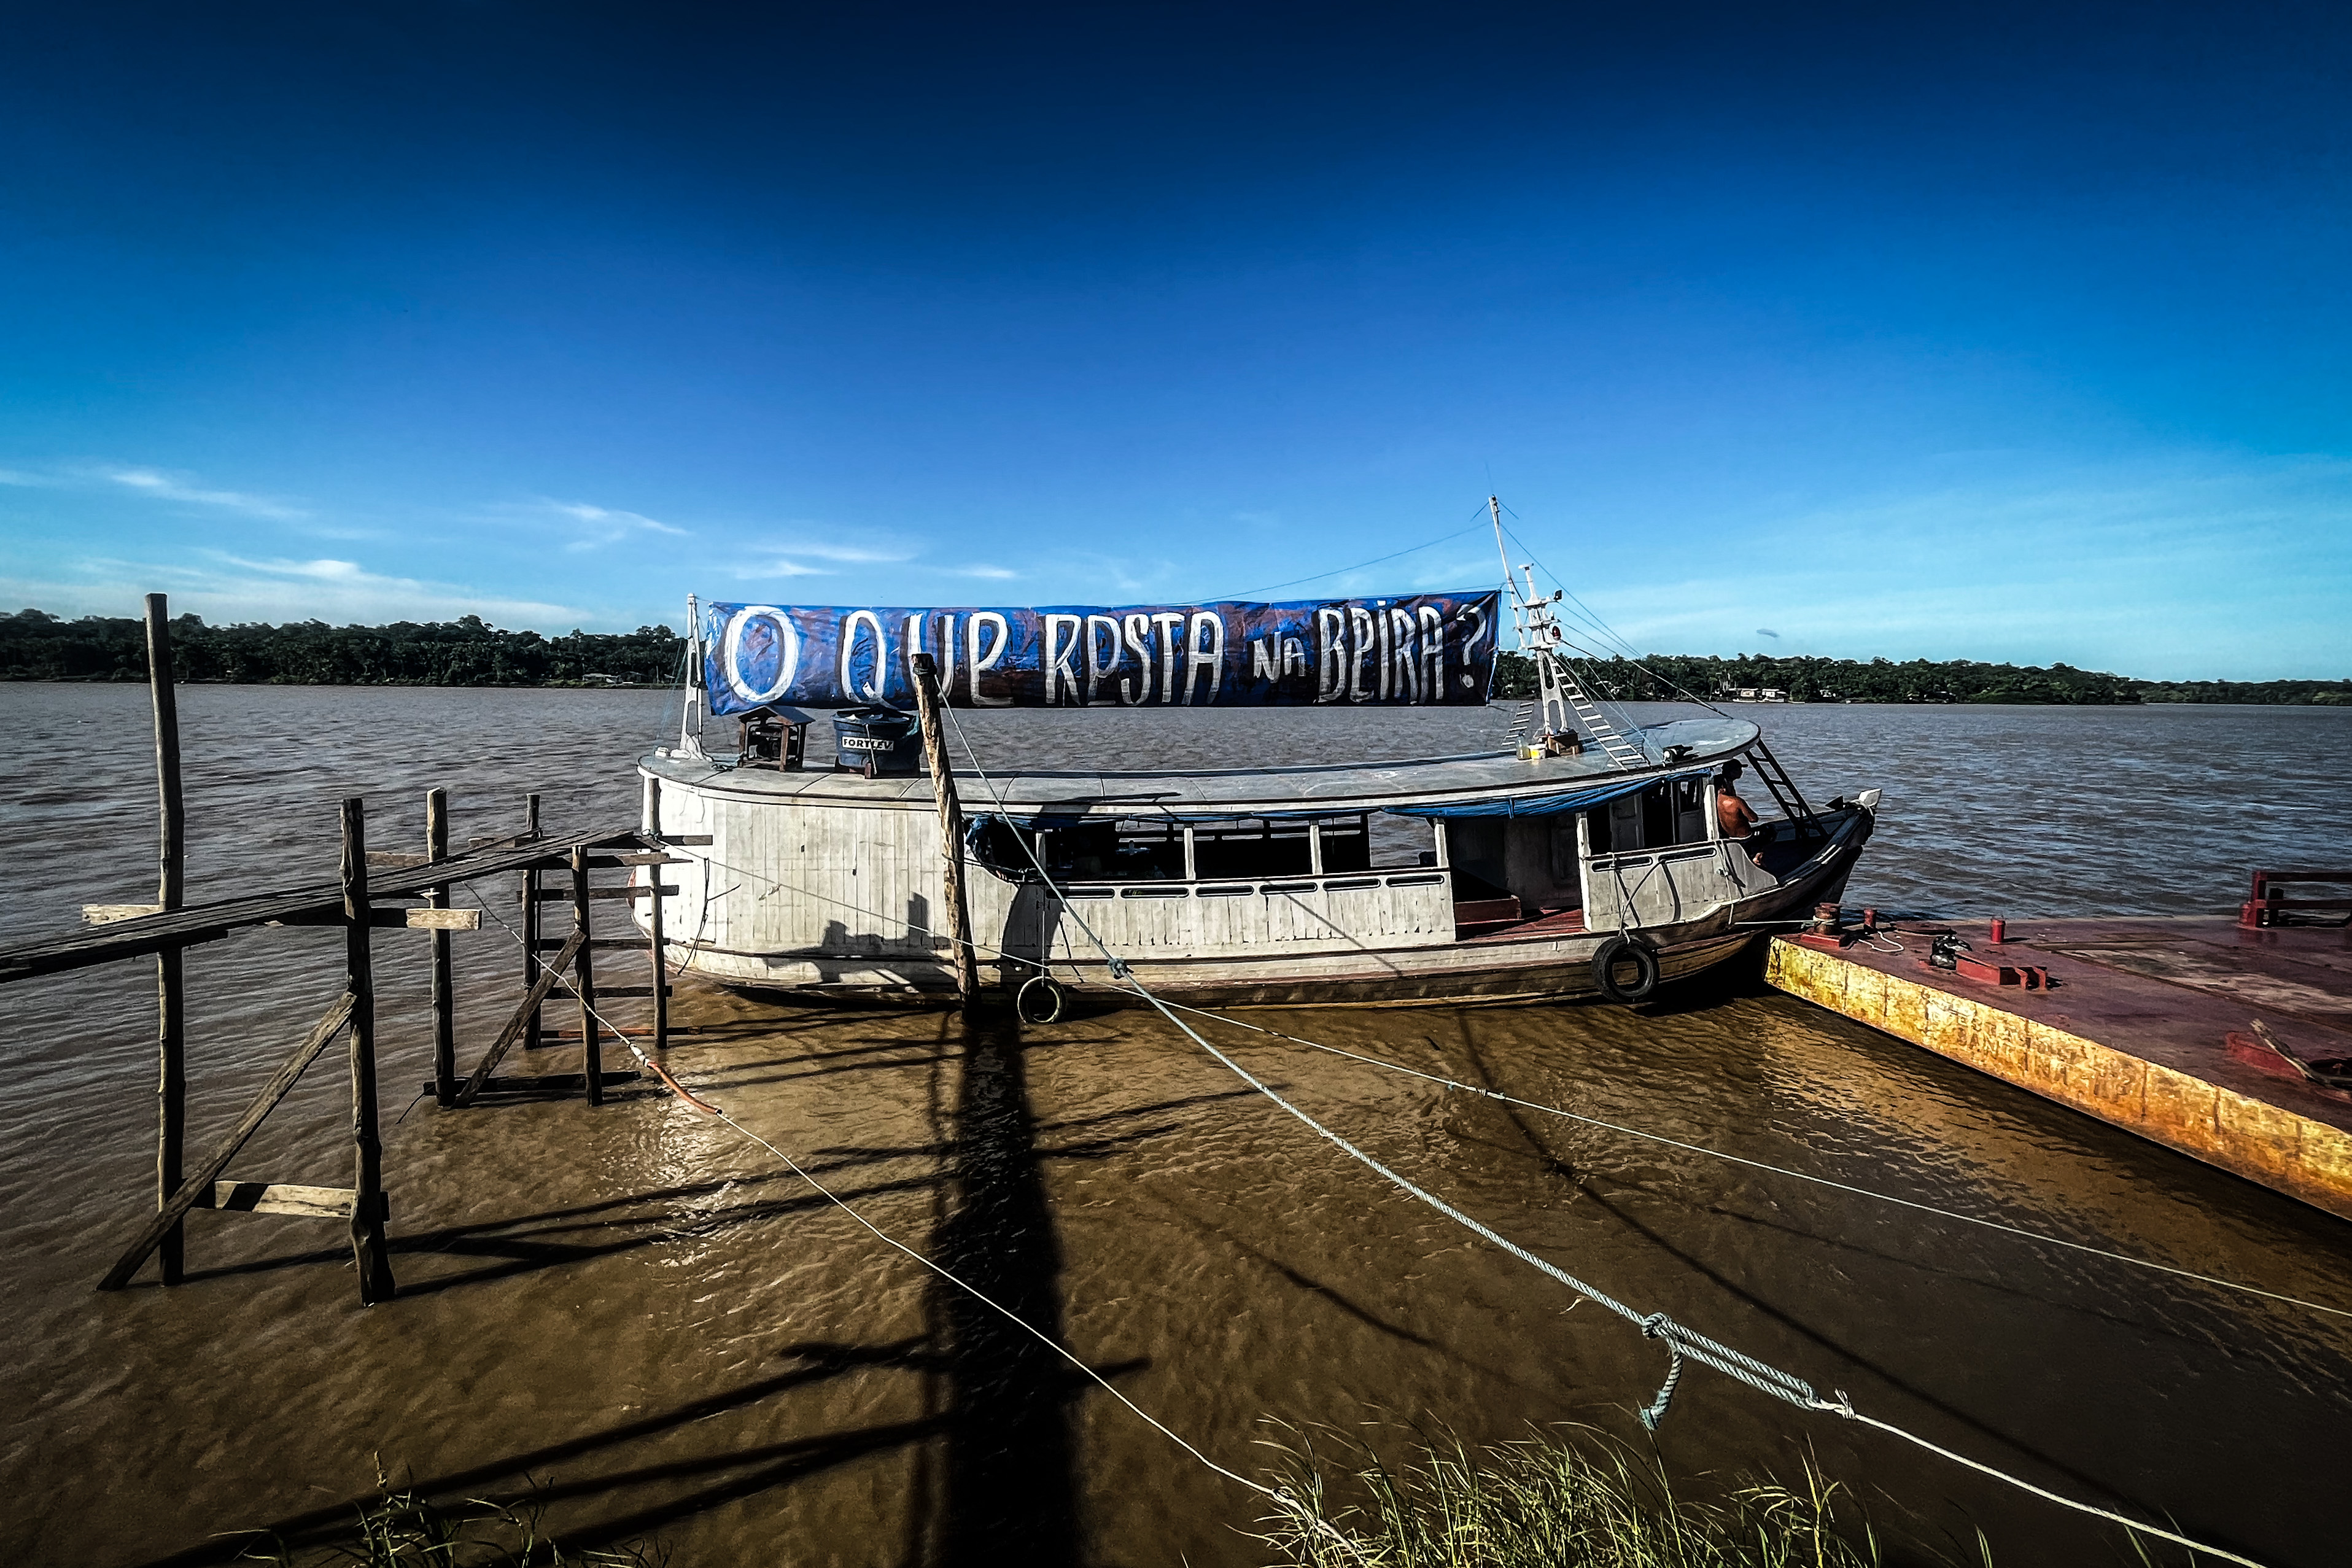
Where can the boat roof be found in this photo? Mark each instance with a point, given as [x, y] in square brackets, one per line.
[1338, 788]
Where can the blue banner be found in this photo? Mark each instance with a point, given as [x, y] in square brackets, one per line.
[1426, 649]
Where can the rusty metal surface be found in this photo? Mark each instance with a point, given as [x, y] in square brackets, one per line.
[2135, 1030]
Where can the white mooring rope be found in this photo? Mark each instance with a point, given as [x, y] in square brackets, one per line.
[1698, 1347]
[1279, 1498]
[2038, 1238]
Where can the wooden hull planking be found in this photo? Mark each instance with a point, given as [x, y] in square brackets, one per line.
[836, 900]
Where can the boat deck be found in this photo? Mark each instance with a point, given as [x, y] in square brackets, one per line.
[2135, 1028]
[1241, 792]
[1555, 922]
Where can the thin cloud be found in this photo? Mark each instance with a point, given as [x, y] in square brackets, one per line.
[598, 526]
[851, 553]
[791, 557]
[779, 569]
[1472, 571]
[160, 486]
[233, 588]
[994, 574]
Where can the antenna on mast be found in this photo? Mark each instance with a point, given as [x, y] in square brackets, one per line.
[1540, 639]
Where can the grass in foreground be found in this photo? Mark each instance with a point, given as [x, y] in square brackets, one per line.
[1572, 1500]
[401, 1529]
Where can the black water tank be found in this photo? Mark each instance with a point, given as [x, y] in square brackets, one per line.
[877, 742]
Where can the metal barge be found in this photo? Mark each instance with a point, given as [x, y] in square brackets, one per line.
[2230, 1041]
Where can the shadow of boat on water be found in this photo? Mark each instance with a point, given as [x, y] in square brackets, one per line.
[991, 1457]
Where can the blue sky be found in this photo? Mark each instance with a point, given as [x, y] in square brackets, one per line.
[1999, 333]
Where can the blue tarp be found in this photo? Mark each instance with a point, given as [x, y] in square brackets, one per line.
[1416, 651]
[1548, 805]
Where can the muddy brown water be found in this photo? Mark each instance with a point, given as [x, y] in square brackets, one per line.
[644, 1319]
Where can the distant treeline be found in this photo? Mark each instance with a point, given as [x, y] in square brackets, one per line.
[37, 646]
[1663, 677]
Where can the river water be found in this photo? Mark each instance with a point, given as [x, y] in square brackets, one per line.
[643, 1319]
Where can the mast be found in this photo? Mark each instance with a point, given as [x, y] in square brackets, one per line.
[686, 711]
[1540, 639]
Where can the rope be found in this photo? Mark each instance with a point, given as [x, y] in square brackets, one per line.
[1294, 582]
[1767, 1166]
[1608, 633]
[1698, 1347]
[974, 1291]
[1010, 1315]
[2138, 1526]
[1383, 1063]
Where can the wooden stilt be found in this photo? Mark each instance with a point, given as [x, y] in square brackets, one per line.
[445, 1002]
[367, 1149]
[530, 943]
[654, 924]
[935, 751]
[171, 1010]
[583, 983]
[196, 1187]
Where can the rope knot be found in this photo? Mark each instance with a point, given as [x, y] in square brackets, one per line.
[1658, 1326]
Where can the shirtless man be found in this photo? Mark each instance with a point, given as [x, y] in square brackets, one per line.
[1733, 818]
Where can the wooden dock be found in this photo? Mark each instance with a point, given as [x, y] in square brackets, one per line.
[2169, 1027]
[356, 901]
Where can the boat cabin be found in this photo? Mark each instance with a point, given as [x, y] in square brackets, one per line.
[1347, 862]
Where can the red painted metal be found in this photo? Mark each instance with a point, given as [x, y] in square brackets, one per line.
[2000, 931]
[2268, 906]
[2033, 977]
[2166, 991]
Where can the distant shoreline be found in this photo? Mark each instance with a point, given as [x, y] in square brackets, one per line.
[469, 652]
[1500, 699]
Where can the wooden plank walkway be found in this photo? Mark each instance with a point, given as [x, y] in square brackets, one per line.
[310, 903]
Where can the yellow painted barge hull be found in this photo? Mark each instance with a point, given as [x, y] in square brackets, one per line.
[2091, 1045]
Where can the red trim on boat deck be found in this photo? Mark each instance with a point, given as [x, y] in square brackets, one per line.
[1559, 923]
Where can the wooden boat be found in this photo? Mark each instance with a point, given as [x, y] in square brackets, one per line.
[1588, 862]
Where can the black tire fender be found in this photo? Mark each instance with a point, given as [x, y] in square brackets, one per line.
[1039, 1000]
[1618, 950]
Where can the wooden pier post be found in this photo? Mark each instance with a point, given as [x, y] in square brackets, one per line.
[171, 1014]
[935, 752]
[444, 1007]
[584, 981]
[531, 923]
[367, 1149]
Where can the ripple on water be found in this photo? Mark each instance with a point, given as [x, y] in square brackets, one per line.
[646, 1314]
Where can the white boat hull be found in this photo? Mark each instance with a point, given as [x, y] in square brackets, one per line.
[833, 890]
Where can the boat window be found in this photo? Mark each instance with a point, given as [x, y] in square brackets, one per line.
[1131, 849]
[1690, 810]
[1657, 816]
[1671, 811]
[1400, 840]
[1145, 849]
[1347, 844]
[1251, 847]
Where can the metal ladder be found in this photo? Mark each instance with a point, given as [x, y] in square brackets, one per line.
[1785, 793]
[1622, 752]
